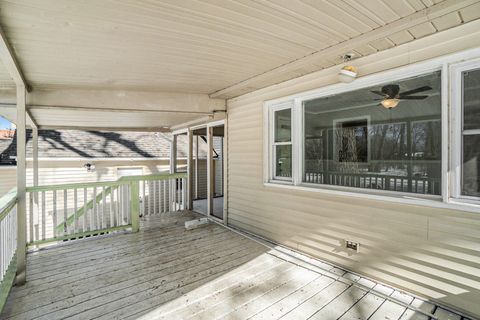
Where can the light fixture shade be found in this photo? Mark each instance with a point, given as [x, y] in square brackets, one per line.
[390, 103]
[347, 74]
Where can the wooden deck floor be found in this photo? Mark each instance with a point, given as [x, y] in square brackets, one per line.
[165, 272]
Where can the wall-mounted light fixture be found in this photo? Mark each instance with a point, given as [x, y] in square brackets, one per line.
[348, 73]
[89, 166]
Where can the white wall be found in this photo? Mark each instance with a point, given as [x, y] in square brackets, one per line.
[434, 253]
[8, 179]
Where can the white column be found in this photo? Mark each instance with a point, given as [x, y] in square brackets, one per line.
[210, 172]
[190, 170]
[21, 186]
[173, 154]
[35, 155]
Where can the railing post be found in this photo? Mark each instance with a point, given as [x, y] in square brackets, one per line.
[135, 205]
[21, 187]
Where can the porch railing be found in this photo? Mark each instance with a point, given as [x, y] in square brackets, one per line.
[8, 243]
[72, 211]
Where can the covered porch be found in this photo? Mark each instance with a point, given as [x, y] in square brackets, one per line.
[243, 72]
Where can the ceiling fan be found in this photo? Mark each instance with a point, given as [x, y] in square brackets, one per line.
[391, 95]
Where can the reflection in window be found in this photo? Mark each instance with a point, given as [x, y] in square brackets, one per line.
[396, 149]
[283, 143]
[283, 163]
[351, 141]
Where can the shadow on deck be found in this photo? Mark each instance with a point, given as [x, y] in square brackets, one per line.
[165, 272]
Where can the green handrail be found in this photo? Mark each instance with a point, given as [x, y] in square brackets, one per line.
[111, 186]
[122, 180]
[7, 202]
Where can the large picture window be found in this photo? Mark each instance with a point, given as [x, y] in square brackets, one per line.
[402, 135]
[352, 140]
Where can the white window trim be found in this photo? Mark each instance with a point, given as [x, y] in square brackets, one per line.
[446, 200]
[456, 116]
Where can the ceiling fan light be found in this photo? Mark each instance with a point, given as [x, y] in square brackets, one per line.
[390, 103]
[347, 74]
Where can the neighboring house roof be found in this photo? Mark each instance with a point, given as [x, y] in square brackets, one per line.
[6, 134]
[76, 144]
[94, 144]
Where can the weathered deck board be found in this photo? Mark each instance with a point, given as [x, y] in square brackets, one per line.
[165, 272]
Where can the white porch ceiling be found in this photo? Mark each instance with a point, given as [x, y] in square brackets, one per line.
[223, 48]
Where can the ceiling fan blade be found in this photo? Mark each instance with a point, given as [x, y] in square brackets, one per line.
[412, 97]
[417, 90]
[378, 92]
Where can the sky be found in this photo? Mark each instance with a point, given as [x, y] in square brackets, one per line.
[5, 124]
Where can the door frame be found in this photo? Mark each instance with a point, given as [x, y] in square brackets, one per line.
[210, 173]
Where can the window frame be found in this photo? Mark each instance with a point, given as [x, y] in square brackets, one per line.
[457, 117]
[448, 199]
[273, 144]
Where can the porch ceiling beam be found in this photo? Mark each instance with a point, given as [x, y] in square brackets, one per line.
[422, 16]
[8, 58]
[139, 129]
[121, 110]
[11, 114]
[31, 121]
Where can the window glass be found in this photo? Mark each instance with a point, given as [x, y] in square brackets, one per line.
[471, 102]
[352, 140]
[283, 125]
[283, 162]
[181, 152]
[471, 166]
[471, 139]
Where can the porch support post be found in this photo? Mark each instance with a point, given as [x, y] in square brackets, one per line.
[210, 172]
[173, 167]
[35, 155]
[173, 154]
[135, 205]
[21, 186]
[190, 170]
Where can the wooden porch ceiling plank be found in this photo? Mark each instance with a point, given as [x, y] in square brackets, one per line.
[10, 62]
[419, 17]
